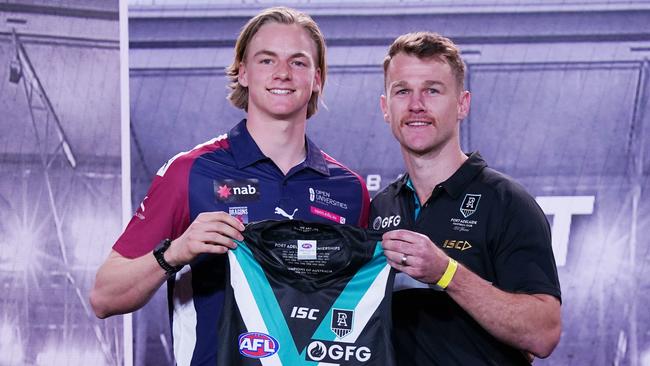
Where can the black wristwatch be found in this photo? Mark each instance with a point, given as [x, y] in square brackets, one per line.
[159, 252]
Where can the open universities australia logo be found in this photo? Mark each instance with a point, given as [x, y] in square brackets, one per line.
[341, 322]
[470, 204]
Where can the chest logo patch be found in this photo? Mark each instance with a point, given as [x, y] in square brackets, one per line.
[257, 345]
[342, 322]
[231, 190]
[470, 204]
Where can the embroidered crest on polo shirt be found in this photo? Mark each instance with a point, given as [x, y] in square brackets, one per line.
[467, 208]
[470, 204]
[236, 190]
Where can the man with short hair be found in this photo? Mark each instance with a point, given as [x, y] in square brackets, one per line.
[478, 282]
[264, 168]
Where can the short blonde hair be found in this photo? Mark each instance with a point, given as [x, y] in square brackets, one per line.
[238, 95]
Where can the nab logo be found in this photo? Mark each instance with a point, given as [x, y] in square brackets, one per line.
[389, 221]
[230, 190]
[257, 345]
[300, 312]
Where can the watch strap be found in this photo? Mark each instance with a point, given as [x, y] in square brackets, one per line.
[159, 254]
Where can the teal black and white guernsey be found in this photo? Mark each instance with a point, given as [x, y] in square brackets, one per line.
[307, 294]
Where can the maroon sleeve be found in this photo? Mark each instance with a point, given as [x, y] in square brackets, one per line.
[163, 213]
[365, 204]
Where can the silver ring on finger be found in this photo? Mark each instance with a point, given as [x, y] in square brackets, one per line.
[403, 261]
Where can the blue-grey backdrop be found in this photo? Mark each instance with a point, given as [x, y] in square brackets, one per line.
[560, 100]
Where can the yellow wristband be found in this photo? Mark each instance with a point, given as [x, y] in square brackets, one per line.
[452, 266]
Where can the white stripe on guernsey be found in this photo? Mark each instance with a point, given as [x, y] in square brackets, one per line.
[184, 318]
[169, 162]
[245, 300]
[367, 306]
[405, 282]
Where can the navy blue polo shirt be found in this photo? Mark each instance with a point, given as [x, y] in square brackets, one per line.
[231, 174]
[485, 221]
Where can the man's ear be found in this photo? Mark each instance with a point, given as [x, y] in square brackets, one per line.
[464, 100]
[383, 103]
[317, 82]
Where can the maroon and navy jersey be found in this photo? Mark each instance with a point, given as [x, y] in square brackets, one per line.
[231, 174]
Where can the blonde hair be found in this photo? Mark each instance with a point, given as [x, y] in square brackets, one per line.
[238, 95]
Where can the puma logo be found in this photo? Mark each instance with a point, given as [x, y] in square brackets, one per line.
[284, 213]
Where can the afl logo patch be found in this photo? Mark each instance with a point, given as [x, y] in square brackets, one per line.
[257, 345]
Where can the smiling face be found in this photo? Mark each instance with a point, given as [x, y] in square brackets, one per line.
[280, 72]
[423, 104]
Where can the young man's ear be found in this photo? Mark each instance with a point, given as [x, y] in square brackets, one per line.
[242, 76]
[317, 82]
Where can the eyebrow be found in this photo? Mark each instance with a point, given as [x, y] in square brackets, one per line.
[426, 83]
[271, 53]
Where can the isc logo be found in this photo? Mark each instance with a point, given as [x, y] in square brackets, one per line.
[300, 312]
[257, 345]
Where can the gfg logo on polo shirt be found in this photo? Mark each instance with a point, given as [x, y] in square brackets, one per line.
[385, 222]
[236, 191]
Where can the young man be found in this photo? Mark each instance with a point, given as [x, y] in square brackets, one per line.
[265, 168]
[479, 283]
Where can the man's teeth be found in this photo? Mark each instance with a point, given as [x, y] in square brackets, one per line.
[418, 123]
[280, 91]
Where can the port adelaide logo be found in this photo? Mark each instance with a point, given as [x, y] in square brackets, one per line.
[257, 345]
[341, 322]
[470, 204]
[237, 190]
